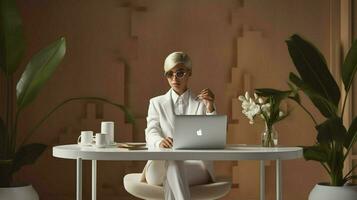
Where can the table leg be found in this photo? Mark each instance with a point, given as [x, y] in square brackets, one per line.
[94, 179]
[262, 180]
[279, 192]
[79, 179]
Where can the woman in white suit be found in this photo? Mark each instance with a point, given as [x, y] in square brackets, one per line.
[176, 176]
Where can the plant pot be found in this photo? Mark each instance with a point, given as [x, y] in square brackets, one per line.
[26, 192]
[326, 192]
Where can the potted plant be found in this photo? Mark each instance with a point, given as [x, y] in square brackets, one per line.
[268, 109]
[39, 69]
[334, 141]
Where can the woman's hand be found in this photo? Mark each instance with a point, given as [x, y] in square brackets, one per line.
[207, 96]
[166, 143]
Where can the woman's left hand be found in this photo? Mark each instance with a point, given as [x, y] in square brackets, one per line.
[207, 96]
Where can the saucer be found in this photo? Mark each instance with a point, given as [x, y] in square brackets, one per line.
[112, 144]
[104, 145]
[84, 145]
[99, 146]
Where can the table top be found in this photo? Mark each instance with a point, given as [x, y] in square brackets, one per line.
[231, 152]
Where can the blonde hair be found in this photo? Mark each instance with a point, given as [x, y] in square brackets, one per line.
[176, 58]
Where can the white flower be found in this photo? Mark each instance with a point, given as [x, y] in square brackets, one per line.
[250, 106]
[255, 96]
[250, 109]
[281, 113]
[247, 95]
[266, 107]
[253, 110]
[241, 98]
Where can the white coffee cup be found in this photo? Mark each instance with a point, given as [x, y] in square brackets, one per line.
[108, 128]
[101, 139]
[86, 138]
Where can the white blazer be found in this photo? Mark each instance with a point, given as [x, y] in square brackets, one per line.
[160, 121]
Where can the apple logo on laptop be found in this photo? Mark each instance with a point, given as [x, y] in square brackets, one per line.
[199, 132]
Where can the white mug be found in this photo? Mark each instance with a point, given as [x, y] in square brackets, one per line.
[101, 139]
[86, 138]
[108, 128]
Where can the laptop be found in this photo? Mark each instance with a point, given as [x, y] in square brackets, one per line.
[200, 132]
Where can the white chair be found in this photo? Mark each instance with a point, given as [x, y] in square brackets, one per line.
[142, 190]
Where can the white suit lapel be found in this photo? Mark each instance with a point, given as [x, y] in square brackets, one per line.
[168, 108]
[193, 105]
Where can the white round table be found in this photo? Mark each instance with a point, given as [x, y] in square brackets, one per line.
[231, 152]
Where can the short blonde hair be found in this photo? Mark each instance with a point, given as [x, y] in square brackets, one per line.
[176, 58]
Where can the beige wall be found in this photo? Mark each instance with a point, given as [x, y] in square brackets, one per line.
[115, 49]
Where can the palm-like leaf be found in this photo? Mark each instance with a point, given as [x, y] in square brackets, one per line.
[26, 155]
[129, 117]
[12, 42]
[332, 130]
[3, 139]
[349, 67]
[313, 69]
[316, 153]
[268, 92]
[318, 84]
[38, 71]
[326, 108]
[351, 135]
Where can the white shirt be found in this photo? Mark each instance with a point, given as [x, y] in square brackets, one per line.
[180, 102]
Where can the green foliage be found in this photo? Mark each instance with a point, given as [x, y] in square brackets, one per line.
[351, 135]
[349, 67]
[316, 152]
[12, 42]
[312, 67]
[330, 131]
[37, 72]
[3, 138]
[274, 98]
[326, 108]
[27, 154]
[333, 140]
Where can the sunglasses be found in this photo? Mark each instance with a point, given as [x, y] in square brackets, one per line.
[179, 74]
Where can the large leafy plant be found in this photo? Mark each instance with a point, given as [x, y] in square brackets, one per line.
[334, 141]
[39, 69]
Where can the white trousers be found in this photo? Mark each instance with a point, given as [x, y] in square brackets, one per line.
[177, 176]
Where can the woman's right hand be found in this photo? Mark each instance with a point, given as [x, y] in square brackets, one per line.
[166, 143]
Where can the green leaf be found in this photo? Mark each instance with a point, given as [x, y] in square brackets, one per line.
[351, 134]
[349, 66]
[316, 153]
[12, 42]
[295, 93]
[274, 108]
[350, 178]
[3, 139]
[332, 130]
[5, 172]
[267, 92]
[313, 69]
[274, 97]
[326, 108]
[27, 154]
[129, 117]
[38, 71]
